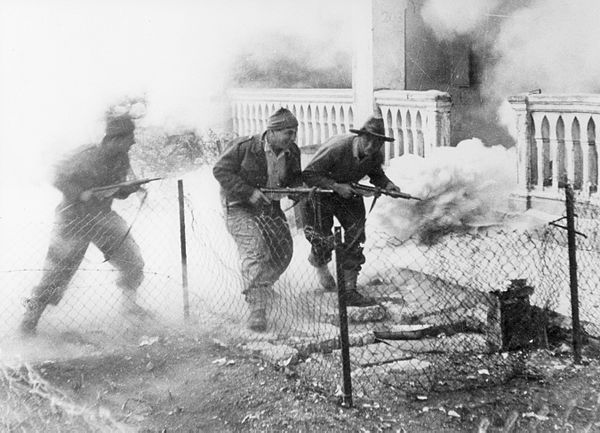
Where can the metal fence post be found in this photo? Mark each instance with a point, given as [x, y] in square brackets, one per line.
[182, 242]
[343, 316]
[573, 273]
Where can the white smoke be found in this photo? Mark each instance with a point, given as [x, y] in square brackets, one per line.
[550, 45]
[529, 44]
[73, 59]
[462, 187]
[457, 17]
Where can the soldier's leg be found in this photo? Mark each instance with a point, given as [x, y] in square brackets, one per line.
[278, 239]
[121, 251]
[351, 215]
[318, 217]
[245, 229]
[65, 253]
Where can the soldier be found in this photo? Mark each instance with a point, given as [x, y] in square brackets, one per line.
[341, 160]
[254, 219]
[86, 216]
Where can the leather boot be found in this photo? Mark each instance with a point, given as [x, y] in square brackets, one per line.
[130, 307]
[257, 321]
[33, 312]
[353, 297]
[326, 279]
[256, 298]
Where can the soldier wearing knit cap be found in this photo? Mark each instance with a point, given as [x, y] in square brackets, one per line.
[282, 119]
[255, 220]
[85, 216]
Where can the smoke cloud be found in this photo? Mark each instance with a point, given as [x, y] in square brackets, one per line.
[462, 188]
[449, 19]
[73, 59]
[549, 45]
[525, 45]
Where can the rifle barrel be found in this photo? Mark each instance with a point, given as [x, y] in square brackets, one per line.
[367, 188]
[127, 183]
[296, 190]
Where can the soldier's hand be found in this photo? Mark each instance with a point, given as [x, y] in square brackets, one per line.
[344, 189]
[126, 191]
[130, 189]
[89, 194]
[392, 187]
[295, 197]
[258, 198]
[86, 195]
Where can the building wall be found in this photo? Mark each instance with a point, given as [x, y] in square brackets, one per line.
[408, 56]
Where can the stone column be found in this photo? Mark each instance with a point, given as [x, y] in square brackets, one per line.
[378, 60]
[389, 36]
[520, 104]
[362, 59]
[441, 124]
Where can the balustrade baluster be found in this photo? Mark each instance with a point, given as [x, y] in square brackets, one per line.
[557, 152]
[419, 134]
[594, 176]
[585, 159]
[568, 120]
[301, 127]
[409, 133]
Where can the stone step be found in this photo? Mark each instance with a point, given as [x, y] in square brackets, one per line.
[375, 354]
[457, 343]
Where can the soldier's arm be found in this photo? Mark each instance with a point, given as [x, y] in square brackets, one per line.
[378, 177]
[295, 177]
[125, 191]
[71, 177]
[227, 169]
[317, 171]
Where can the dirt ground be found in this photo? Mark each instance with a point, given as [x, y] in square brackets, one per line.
[192, 383]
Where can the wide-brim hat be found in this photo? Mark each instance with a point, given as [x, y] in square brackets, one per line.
[373, 126]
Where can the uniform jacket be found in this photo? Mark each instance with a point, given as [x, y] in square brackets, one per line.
[243, 167]
[87, 168]
[335, 162]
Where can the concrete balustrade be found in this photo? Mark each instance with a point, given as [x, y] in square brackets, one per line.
[556, 144]
[321, 113]
[418, 121]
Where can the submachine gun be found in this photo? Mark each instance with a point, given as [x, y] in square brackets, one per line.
[364, 190]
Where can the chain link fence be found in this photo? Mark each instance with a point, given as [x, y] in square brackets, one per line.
[451, 310]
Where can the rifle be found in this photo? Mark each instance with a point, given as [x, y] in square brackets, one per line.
[129, 183]
[309, 192]
[107, 191]
[300, 190]
[376, 191]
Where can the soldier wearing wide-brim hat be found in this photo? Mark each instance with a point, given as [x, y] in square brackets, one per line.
[374, 127]
[340, 161]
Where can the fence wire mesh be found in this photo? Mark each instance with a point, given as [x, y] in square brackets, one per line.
[459, 311]
[587, 226]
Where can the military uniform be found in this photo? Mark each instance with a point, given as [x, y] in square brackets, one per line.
[261, 233]
[337, 161]
[79, 223]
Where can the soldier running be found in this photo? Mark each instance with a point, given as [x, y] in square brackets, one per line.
[85, 216]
